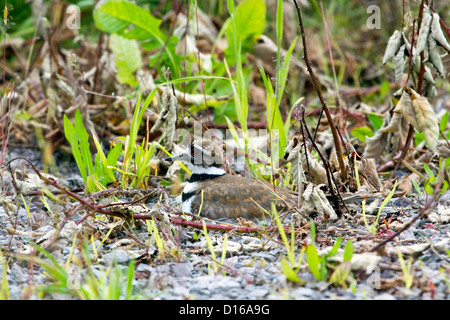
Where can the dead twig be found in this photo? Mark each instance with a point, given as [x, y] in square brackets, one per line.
[52, 183]
[322, 100]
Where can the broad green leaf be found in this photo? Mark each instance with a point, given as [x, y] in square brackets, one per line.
[419, 137]
[230, 4]
[375, 121]
[445, 186]
[248, 22]
[427, 187]
[250, 18]
[128, 58]
[114, 16]
[362, 132]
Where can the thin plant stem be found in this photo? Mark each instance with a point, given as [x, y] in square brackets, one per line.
[321, 98]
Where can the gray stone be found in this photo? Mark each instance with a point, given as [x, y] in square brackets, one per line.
[119, 256]
[384, 296]
[407, 235]
[305, 293]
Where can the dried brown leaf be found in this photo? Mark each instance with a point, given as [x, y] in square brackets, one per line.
[399, 63]
[394, 124]
[394, 43]
[314, 199]
[442, 215]
[405, 186]
[443, 149]
[427, 119]
[434, 57]
[425, 28]
[437, 33]
[405, 108]
[302, 163]
[408, 250]
[377, 144]
[167, 118]
[368, 169]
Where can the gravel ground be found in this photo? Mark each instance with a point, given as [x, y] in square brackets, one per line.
[252, 268]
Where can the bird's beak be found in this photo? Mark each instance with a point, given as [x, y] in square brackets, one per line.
[169, 159]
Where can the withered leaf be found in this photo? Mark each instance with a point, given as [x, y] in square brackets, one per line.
[302, 163]
[394, 43]
[427, 119]
[434, 57]
[424, 31]
[405, 108]
[437, 33]
[314, 197]
[377, 144]
[399, 63]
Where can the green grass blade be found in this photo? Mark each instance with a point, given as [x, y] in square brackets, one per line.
[388, 198]
[71, 136]
[348, 252]
[284, 71]
[4, 288]
[274, 119]
[103, 159]
[83, 138]
[313, 260]
[335, 248]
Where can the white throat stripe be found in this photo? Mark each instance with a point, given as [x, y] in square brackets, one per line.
[208, 170]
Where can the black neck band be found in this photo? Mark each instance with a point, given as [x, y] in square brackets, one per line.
[197, 177]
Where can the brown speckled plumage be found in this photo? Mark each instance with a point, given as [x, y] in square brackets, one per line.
[222, 195]
[235, 196]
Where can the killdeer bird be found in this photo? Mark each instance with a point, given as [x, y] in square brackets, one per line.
[217, 194]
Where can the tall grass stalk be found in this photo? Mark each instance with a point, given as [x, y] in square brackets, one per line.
[408, 276]
[4, 288]
[241, 95]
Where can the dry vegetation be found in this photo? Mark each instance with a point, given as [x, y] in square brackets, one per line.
[94, 94]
